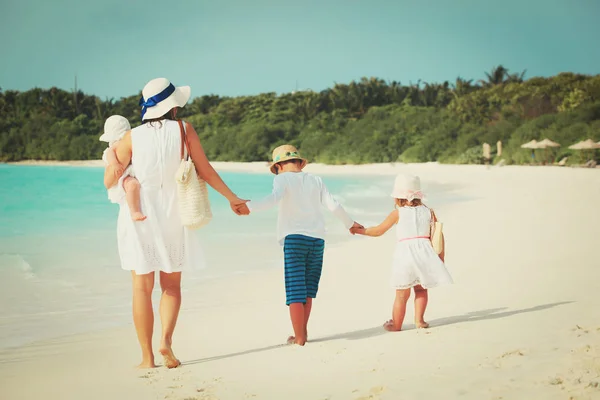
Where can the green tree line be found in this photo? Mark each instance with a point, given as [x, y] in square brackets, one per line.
[364, 121]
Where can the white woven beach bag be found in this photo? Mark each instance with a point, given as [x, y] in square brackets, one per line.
[192, 192]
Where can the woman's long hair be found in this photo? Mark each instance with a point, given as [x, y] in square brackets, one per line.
[170, 115]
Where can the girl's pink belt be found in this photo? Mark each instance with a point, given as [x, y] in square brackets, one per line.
[414, 237]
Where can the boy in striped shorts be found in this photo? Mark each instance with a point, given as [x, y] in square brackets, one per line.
[301, 231]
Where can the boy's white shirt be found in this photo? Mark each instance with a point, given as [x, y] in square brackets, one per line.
[300, 197]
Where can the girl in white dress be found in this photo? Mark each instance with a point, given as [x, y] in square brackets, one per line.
[415, 264]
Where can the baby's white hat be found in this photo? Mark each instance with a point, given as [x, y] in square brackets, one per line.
[407, 187]
[114, 128]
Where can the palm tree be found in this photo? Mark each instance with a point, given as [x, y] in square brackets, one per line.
[516, 77]
[497, 76]
[462, 87]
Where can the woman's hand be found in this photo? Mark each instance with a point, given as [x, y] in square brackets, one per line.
[239, 206]
[357, 228]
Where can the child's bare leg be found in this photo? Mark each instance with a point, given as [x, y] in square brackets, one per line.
[421, 297]
[132, 195]
[298, 323]
[307, 309]
[398, 312]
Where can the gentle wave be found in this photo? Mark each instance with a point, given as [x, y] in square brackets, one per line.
[16, 262]
[365, 192]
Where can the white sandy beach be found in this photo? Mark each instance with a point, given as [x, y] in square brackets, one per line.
[520, 322]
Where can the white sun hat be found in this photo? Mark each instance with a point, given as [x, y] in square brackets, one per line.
[407, 187]
[114, 128]
[159, 96]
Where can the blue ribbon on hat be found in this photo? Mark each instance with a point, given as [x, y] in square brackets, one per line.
[154, 100]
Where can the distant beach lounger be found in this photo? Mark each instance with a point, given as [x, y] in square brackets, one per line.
[562, 162]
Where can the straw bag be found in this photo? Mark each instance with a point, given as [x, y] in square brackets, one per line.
[192, 193]
[437, 240]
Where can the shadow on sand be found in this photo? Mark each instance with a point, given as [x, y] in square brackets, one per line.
[481, 315]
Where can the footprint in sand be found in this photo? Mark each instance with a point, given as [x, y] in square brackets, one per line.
[508, 359]
[556, 381]
[580, 330]
[373, 393]
[147, 374]
[150, 377]
[377, 390]
[512, 353]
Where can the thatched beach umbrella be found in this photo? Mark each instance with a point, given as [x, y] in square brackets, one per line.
[531, 145]
[585, 145]
[546, 144]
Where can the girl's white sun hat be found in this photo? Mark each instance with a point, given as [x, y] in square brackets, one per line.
[407, 187]
[159, 96]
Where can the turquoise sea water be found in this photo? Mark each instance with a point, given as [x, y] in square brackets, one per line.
[58, 251]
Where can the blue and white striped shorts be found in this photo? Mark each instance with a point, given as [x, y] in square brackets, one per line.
[303, 258]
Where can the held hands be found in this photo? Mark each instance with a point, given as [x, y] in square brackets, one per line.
[357, 228]
[239, 206]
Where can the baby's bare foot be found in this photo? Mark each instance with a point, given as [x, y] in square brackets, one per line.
[138, 216]
[170, 360]
[389, 326]
[422, 325]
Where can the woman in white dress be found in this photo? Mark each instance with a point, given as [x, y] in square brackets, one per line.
[160, 243]
[415, 264]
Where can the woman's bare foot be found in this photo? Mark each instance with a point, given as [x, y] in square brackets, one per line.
[422, 325]
[170, 360]
[389, 326]
[146, 364]
[138, 216]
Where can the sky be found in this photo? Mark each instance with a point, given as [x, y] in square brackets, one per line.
[245, 47]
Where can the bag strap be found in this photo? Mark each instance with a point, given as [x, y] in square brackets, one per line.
[432, 223]
[184, 141]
